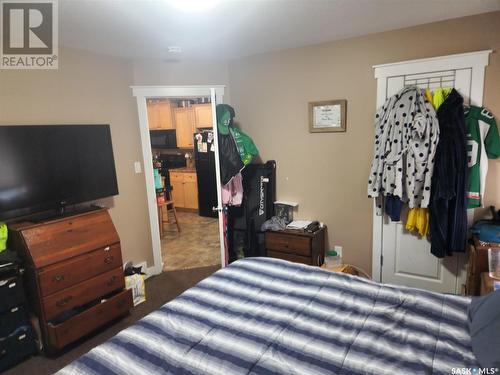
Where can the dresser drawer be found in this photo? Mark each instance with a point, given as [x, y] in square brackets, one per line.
[65, 238]
[189, 177]
[83, 293]
[290, 257]
[79, 325]
[63, 275]
[287, 243]
[177, 176]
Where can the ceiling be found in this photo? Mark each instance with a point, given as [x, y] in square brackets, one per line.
[143, 29]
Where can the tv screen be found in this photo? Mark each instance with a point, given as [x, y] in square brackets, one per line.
[44, 167]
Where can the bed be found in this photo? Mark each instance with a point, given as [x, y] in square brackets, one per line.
[269, 316]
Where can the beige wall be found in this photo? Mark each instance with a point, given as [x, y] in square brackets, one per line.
[327, 173]
[89, 89]
[194, 72]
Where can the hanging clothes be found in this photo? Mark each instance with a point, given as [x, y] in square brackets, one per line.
[232, 192]
[447, 207]
[428, 96]
[439, 96]
[230, 161]
[244, 144]
[393, 206]
[418, 220]
[406, 136]
[483, 143]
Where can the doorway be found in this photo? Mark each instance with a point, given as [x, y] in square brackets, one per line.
[181, 161]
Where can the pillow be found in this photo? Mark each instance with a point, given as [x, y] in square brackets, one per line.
[484, 328]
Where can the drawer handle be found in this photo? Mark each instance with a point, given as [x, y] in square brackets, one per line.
[109, 259]
[107, 248]
[58, 278]
[63, 302]
[112, 280]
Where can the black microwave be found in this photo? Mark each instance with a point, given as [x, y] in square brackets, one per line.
[163, 138]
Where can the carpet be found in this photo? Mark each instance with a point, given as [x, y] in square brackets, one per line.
[159, 290]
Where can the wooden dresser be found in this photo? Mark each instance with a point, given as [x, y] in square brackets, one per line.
[74, 274]
[300, 247]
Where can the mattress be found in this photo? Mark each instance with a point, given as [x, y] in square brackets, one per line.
[270, 316]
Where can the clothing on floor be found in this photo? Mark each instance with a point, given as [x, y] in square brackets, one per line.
[406, 136]
[447, 207]
[483, 143]
[418, 220]
[232, 192]
[393, 206]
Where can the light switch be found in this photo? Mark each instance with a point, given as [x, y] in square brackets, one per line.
[137, 167]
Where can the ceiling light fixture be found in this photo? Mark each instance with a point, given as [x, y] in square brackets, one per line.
[194, 5]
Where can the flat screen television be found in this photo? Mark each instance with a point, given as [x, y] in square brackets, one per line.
[46, 167]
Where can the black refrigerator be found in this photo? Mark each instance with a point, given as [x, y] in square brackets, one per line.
[204, 157]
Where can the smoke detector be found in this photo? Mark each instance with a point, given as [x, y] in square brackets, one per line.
[174, 50]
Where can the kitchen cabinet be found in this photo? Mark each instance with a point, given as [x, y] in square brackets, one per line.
[203, 115]
[160, 114]
[184, 188]
[185, 125]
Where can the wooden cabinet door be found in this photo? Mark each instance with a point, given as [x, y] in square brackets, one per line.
[203, 114]
[177, 183]
[178, 193]
[153, 114]
[165, 114]
[190, 191]
[184, 123]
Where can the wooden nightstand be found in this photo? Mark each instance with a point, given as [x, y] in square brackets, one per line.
[299, 247]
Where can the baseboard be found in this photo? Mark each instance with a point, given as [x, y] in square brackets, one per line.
[151, 271]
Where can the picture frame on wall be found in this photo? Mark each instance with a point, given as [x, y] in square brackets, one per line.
[327, 116]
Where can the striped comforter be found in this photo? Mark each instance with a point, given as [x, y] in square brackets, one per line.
[268, 316]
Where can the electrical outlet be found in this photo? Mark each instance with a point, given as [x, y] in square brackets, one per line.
[137, 167]
[338, 249]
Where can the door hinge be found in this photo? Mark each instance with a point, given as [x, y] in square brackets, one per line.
[381, 260]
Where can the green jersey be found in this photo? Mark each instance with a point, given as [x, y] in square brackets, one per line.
[483, 143]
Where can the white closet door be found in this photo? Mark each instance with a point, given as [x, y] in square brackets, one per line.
[406, 257]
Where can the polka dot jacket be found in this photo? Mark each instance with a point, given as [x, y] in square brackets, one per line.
[406, 137]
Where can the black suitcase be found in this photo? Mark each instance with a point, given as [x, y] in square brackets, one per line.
[11, 293]
[19, 345]
[13, 318]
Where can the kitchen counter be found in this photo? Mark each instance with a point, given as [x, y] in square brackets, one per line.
[183, 170]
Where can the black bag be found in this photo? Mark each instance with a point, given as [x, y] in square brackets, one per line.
[16, 347]
[259, 194]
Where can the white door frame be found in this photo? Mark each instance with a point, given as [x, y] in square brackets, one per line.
[476, 61]
[142, 93]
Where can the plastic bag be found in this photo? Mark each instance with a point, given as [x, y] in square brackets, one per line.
[136, 283]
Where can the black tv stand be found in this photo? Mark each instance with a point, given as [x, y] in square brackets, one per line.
[62, 212]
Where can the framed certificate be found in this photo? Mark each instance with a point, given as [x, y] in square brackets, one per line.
[327, 116]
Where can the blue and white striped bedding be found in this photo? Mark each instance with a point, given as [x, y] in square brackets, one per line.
[268, 316]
